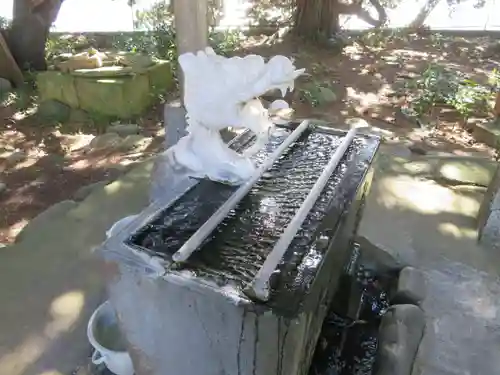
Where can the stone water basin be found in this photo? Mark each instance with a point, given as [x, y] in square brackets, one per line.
[114, 91]
[196, 319]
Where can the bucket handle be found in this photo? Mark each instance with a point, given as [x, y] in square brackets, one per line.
[98, 358]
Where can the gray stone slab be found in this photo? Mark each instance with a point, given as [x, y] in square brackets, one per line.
[383, 259]
[410, 288]
[401, 331]
[488, 133]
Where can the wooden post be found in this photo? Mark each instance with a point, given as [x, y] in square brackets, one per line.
[191, 26]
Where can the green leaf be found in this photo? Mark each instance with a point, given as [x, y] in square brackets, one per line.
[327, 95]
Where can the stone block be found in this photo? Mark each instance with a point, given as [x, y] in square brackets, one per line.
[122, 97]
[57, 86]
[488, 133]
[120, 94]
[104, 141]
[383, 260]
[464, 170]
[160, 77]
[400, 333]
[410, 287]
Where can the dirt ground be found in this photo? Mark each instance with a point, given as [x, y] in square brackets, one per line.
[42, 164]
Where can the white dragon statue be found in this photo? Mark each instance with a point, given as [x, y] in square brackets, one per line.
[222, 92]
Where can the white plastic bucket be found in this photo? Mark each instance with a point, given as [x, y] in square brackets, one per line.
[104, 335]
[120, 224]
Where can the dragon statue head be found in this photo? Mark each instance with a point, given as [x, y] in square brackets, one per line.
[221, 92]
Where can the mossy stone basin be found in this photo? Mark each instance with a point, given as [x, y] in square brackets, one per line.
[121, 92]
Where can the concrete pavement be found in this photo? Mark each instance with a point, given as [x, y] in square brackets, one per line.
[50, 282]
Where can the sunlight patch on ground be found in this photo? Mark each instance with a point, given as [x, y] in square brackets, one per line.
[65, 311]
[15, 229]
[28, 162]
[20, 115]
[456, 231]
[365, 98]
[79, 165]
[24, 355]
[410, 53]
[114, 187]
[426, 197]
[8, 137]
[73, 142]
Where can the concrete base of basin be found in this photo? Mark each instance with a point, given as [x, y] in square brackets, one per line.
[178, 323]
[121, 96]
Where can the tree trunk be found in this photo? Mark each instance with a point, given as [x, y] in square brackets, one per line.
[30, 28]
[356, 9]
[317, 19]
[422, 15]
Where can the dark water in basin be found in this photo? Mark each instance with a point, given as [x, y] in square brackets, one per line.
[238, 247]
[347, 347]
